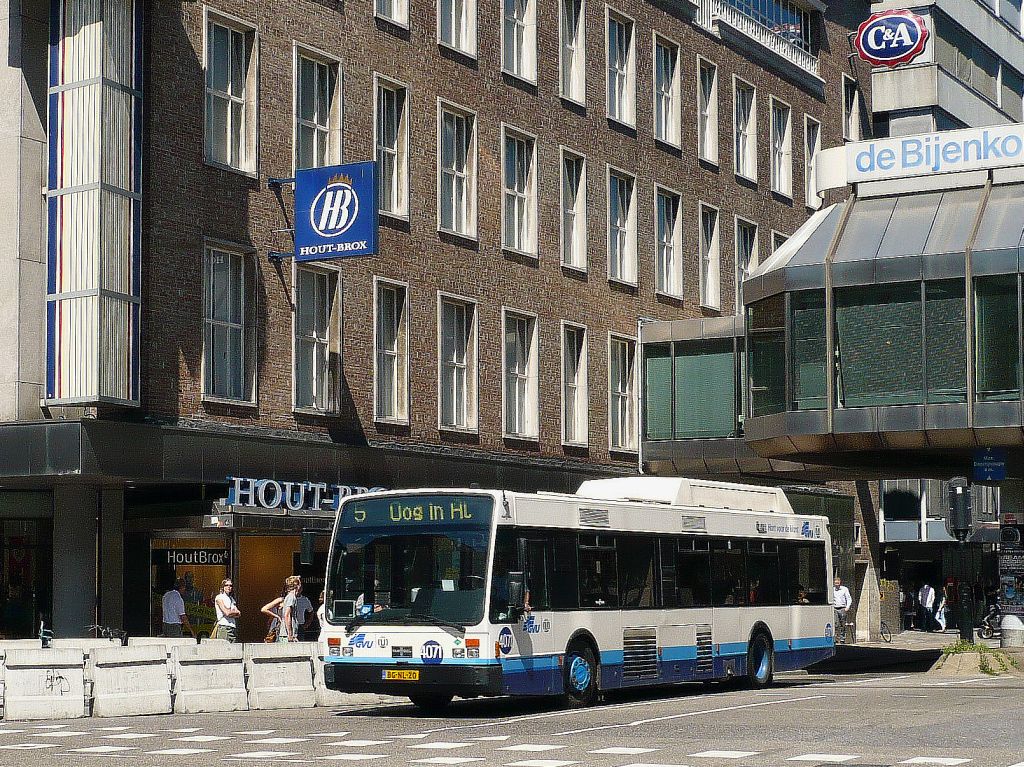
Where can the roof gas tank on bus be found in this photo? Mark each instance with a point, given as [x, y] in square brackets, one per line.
[674, 491]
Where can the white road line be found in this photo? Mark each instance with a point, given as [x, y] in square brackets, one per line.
[9, 732]
[691, 713]
[263, 754]
[829, 758]
[49, 726]
[102, 750]
[59, 734]
[646, 764]
[940, 760]
[727, 754]
[179, 751]
[130, 736]
[493, 737]
[442, 745]
[417, 735]
[535, 747]
[278, 741]
[328, 734]
[448, 760]
[202, 738]
[183, 729]
[623, 750]
[113, 729]
[256, 732]
[353, 757]
[1018, 764]
[357, 743]
[28, 746]
[540, 763]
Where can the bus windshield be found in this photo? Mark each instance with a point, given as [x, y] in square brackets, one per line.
[411, 559]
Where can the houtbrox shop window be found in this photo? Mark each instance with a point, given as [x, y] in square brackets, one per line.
[767, 356]
[998, 338]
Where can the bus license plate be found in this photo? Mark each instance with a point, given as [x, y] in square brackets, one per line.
[397, 675]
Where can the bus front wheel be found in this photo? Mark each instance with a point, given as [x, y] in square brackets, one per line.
[580, 672]
[431, 703]
[760, 661]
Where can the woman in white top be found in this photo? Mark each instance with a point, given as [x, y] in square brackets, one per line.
[227, 613]
[283, 613]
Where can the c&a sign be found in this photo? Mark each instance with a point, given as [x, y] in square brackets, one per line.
[891, 38]
[336, 211]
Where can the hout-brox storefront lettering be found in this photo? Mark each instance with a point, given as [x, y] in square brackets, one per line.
[289, 496]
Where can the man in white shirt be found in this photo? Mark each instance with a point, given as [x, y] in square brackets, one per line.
[174, 612]
[841, 600]
[926, 598]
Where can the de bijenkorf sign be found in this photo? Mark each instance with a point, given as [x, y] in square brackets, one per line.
[336, 211]
[891, 38]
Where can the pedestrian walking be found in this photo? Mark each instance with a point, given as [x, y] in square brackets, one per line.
[174, 616]
[926, 598]
[288, 615]
[227, 613]
[940, 611]
[842, 601]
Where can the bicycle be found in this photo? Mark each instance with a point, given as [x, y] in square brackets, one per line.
[107, 632]
[885, 632]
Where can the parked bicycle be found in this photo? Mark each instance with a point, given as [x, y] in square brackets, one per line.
[885, 632]
[108, 632]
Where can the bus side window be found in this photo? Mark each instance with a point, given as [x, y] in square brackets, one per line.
[504, 562]
[728, 563]
[669, 591]
[564, 576]
[693, 568]
[763, 572]
[636, 570]
[599, 585]
[536, 570]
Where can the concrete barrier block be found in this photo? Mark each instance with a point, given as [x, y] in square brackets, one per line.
[167, 642]
[209, 677]
[83, 643]
[280, 675]
[44, 684]
[332, 698]
[129, 681]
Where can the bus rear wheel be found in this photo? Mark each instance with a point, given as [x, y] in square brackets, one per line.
[760, 661]
[580, 676]
[431, 703]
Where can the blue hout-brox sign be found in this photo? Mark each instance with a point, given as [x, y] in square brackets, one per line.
[891, 38]
[336, 211]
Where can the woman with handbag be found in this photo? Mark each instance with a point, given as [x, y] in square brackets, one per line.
[272, 610]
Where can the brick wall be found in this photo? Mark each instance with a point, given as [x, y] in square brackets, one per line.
[186, 201]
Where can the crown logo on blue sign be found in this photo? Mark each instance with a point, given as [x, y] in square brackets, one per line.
[340, 178]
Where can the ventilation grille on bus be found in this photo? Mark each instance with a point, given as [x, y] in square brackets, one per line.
[594, 518]
[693, 524]
[705, 657]
[639, 653]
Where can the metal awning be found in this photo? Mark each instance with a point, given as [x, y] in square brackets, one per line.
[908, 237]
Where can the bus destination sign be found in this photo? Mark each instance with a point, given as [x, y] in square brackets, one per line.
[415, 510]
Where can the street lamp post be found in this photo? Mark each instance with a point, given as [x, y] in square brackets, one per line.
[960, 526]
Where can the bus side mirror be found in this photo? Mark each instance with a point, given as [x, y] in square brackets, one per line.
[516, 596]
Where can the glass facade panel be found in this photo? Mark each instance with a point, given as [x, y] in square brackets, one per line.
[954, 222]
[998, 339]
[808, 349]
[1003, 223]
[878, 333]
[864, 229]
[909, 226]
[946, 341]
[658, 391]
[767, 359]
[705, 389]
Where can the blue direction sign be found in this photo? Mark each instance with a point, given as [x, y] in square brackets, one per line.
[990, 464]
[336, 212]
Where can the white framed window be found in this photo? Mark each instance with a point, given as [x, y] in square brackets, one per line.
[317, 110]
[747, 256]
[572, 50]
[229, 324]
[812, 145]
[317, 339]
[573, 203]
[457, 362]
[744, 129]
[575, 398]
[707, 111]
[519, 38]
[710, 258]
[519, 191]
[621, 69]
[520, 371]
[669, 236]
[851, 109]
[391, 351]
[667, 92]
[456, 170]
[782, 147]
[621, 226]
[391, 139]
[778, 238]
[395, 11]
[622, 393]
[456, 25]
[231, 92]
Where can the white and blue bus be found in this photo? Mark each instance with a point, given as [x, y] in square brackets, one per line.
[434, 593]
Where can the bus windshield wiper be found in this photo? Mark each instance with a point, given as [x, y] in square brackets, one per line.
[438, 621]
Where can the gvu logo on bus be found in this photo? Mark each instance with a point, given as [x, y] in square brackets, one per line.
[360, 641]
[530, 625]
[432, 653]
[805, 531]
[505, 640]
[891, 38]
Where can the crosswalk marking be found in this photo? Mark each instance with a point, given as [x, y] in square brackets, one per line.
[113, 729]
[202, 738]
[359, 743]
[328, 734]
[28, 746]
[5, 731]
[278, 741]
[264, 754]
[131, 736]
[103, 749]
[494, 737]
[648, 764]
[530, 747]
[448, 760]
[417, 736]
[49, 726]
[59, 734]
[830, 758]
[442, 745]
[540, 763]
[256, 732]
[183, 729]
[179, 751]
[940, 760]
[622, 750]
[354, 757]
[727, 754]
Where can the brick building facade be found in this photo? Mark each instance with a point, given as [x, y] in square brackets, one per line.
[151, 441]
